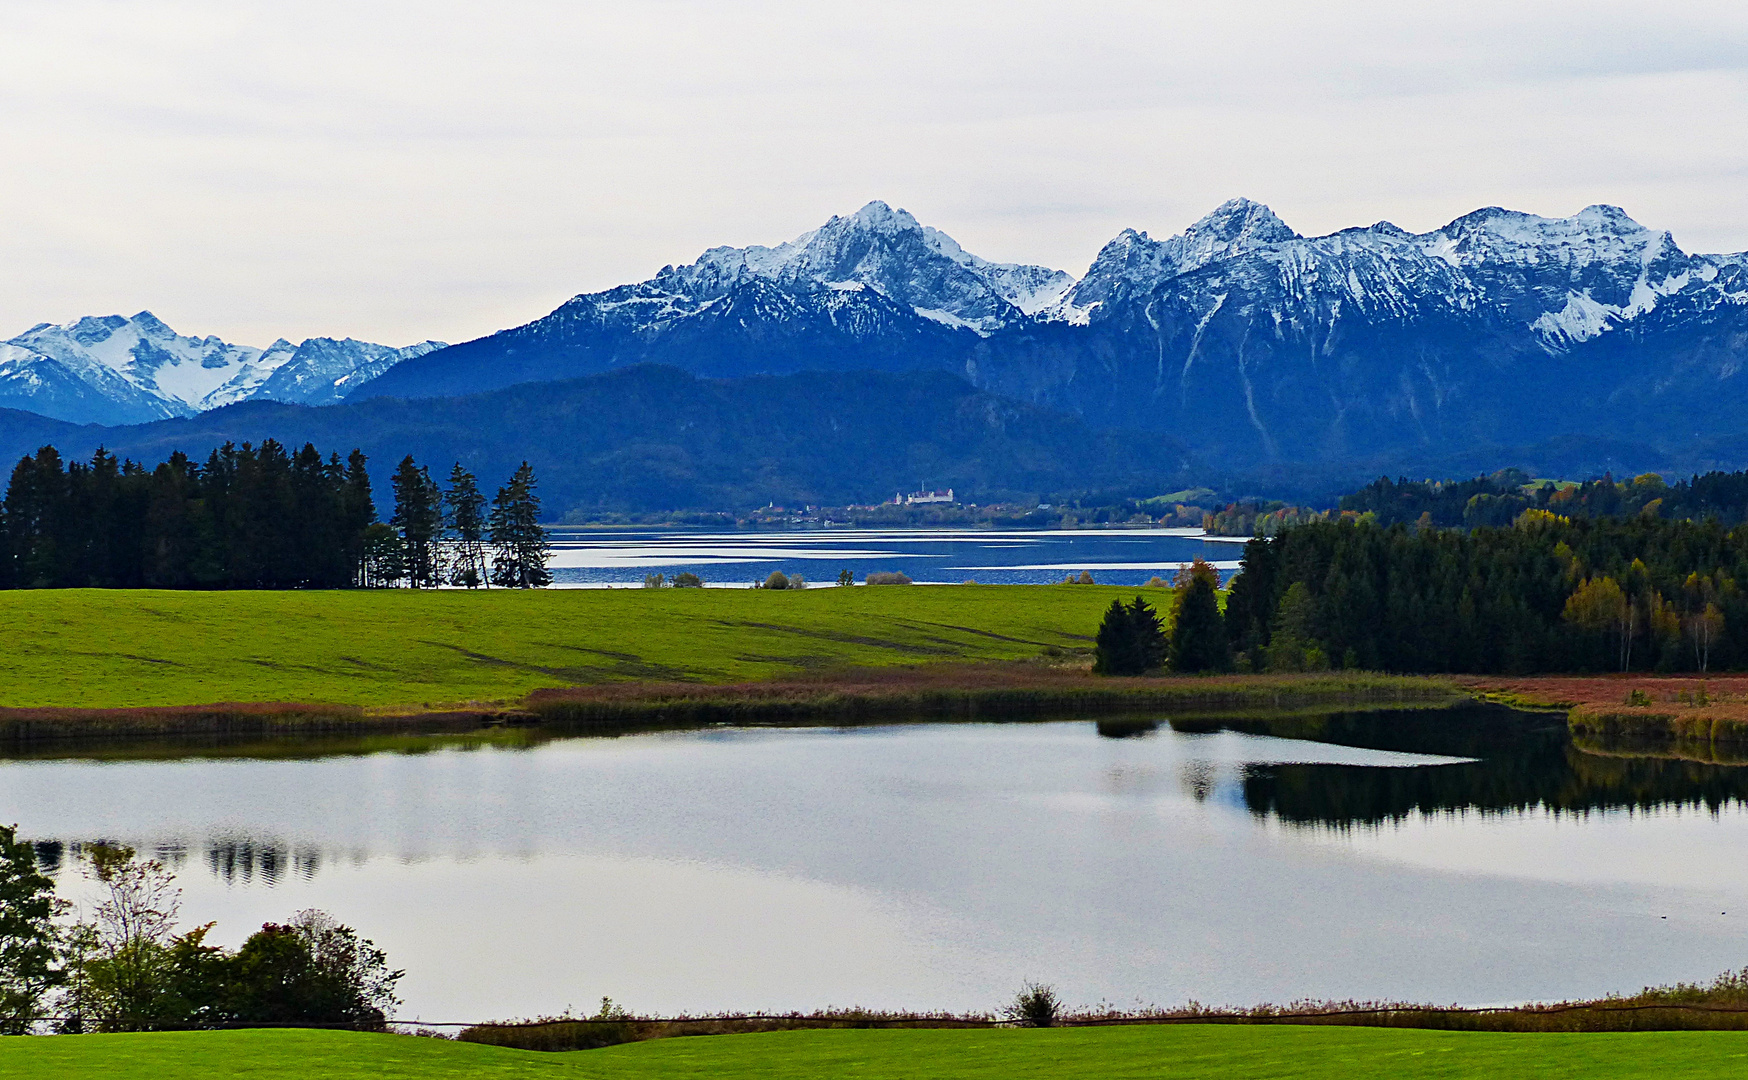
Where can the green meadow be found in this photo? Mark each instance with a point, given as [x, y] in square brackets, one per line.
[1191, 1052]
[398, 648]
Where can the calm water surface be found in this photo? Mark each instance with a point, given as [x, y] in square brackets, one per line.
[583, 557]
[1472, 856]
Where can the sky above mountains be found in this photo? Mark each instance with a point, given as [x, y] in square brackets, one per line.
[402, 171]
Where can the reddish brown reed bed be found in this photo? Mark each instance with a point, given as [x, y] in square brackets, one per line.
[1644, 708]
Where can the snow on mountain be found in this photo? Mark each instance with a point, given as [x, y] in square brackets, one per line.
[887, 250]
[322, 371]
[114, 369]
[1565, 280]
[1135, 262]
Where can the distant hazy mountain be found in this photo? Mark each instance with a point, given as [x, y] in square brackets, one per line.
[1250, 342]
[120, 370]
[655, 438]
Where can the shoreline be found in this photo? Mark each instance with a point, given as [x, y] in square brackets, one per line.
[1686, 717]
[965, 692]
[1694, 717]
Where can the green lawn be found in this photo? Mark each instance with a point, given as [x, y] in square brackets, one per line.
[1212, 1052]
[398, 648]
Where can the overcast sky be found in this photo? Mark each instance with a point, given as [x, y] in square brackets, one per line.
[399, 171]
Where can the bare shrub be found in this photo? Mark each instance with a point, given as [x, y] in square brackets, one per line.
[1036, 1005]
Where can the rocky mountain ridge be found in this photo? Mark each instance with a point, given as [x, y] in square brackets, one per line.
[1254, 342]
[118, 370]
[1251, 342]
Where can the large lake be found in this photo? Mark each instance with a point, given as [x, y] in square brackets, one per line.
[589, 557]
[1471, 856]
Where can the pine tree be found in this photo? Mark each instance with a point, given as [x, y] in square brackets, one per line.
[1198, 634]
[519, 551]
[357, 512]
[37, 508]
[1149, 634]
[464, 520]
[1114, 651]
[417, 516]
[1130, 640]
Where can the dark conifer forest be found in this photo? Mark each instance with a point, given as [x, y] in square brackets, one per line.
[253, 517]
[1548, 593]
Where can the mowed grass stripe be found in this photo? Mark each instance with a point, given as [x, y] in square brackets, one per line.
[1188, 1052]
[403, 649]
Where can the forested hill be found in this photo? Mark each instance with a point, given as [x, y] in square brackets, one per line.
[656, 438]
[1500, 498]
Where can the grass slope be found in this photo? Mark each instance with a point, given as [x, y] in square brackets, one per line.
[404, 649]
[1186, 1052]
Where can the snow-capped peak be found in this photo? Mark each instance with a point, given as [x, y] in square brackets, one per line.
[1569, 278]
[1241, 221]
[145, 370]
[1133, 261]
[888, 250]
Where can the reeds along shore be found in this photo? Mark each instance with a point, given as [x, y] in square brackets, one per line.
[1721, 1005]
[970, 692]
[982, 691]
[1705, 718]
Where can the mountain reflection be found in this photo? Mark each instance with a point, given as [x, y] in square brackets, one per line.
[1526, 761]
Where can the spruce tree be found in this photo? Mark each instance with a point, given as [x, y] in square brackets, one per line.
[519, 550]
[465, 521]
[1149, 633]
[418, 513]
[1198, 634]
[1114, 650]
[357, 512]
[1130, 640]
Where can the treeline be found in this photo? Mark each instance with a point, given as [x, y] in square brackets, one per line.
[1549, 593]
[1497, 500]
[260, 518]
[1258, 518]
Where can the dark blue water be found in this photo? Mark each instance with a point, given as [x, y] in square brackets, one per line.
[1113, 556]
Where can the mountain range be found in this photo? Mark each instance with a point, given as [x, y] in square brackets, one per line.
[1250, 342]
[118, 370]
[1239, 344]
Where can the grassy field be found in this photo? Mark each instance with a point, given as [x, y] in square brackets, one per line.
[403, 649]
[1182, 1053]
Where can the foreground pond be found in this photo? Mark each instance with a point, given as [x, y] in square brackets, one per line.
[1469, 855]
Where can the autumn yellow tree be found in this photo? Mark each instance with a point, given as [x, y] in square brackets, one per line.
[1703, 622]
[1601, 606]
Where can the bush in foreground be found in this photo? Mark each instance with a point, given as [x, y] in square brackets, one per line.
[1036, 1005]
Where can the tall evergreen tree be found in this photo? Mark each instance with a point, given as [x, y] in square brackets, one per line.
[38, 508]
[1198, 634]
[417, 517]
[519, 551]
[465, 520]
[1130, 640]
[357, 513]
